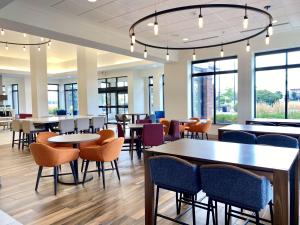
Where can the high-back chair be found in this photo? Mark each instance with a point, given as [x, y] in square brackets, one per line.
[241, 137]
[278, 140]
[153, 135]
[237, 187]
[174, 131]
[66, 126]
[82, 124]
[97, 123]
[29, 132]
[101, 154]
[46, 156]
[16, 126]
[163, 169]
[159, 115]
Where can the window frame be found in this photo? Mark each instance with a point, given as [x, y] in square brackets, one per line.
[12, 97]
[214, 74]
[285, 67]
[149, 92]
[71, 90]
[58, 97]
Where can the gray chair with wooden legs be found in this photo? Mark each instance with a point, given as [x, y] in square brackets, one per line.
[66, 126]
[16, 127]
[82, 125]
[29, 132]
[97, 123]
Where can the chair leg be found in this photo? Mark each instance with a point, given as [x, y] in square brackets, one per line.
[156, 205]
[23, 141]
[216, 211]
[202, 135]
[117, 169]
[257, 218]
[13, 139]
[38, 177]
[82, 166]
[193, 210]
[208, 211]
[112, 165]
[55, 175]
[85, 171]
[177, 204]
[229, 214]
[213, 212]
[73, 172]
[271, 212]
[206, 136]
[20, 139]
[103, 176]
[226, 208]
[98, 168]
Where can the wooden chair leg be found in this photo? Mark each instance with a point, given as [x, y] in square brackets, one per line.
[73, 172]
[156, 205]
[38, 177]
[55, 175]
[103, 176]
[20, 139]
[85, 171]
[13, 139]
[23, 140]
[117, 169]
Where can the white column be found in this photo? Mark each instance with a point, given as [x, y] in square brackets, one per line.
[28, 98]
[157, 92]
[136, 100]
[87, 81]
[39, 80]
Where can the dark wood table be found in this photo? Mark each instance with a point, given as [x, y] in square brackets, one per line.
[277, 122]
[260, 130]
[279, 164]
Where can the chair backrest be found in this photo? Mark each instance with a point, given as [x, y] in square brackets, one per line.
[16, 125]
[61, 112]
[239, 137]
[278, 140]
[144, 121]
[262, 123]
[105, 136]
[82, 124]
[159, 114]
[66, 125]
[236, 186]
[27, 126]
[24, 115]
[153, 134]
[175, 174]
[44, 155]
[166, 124]
[120, 130]
[98, 122]
[43, 137]
[111, 150]
[174, 130]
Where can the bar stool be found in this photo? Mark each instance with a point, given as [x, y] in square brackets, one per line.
[29, 132]
[97, 123]
[16, 127]
[82, 125]
[66, 126]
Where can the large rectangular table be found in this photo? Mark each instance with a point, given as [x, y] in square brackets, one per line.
[260, 130]
[277, 122]
[279, 164]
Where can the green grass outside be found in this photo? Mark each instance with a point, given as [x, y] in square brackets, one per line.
[226, 118]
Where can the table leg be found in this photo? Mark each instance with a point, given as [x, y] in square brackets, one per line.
[281, 198]
[133, 118]
[294, 192]
[132, 143]
[149, 192]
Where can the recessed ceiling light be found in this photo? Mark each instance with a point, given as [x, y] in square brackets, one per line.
[185, 39]
[150, 24]
[92, 0]
[274, 21]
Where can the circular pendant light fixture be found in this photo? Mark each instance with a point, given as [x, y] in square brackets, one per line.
[246, 9]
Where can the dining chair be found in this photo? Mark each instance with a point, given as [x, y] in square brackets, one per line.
[106, 153]
[189, 125]
[16, 127]
[152, 117]
[144, 121]
[200, 128]
[97, 123]
[241, 137]
[46, 156]
[121, 118]
[278, 140]
[43, 137]
[66, 126]
[166, 124]
[176, 175]
[127, 140]
[29, 132]
[174, 132]
[159, 115]
[153, 135]
[82, 125]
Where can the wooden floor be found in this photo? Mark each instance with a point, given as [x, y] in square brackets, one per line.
[120, 203]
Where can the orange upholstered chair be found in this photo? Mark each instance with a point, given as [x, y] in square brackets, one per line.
[108, 152]
[43, 137]
[46, 156]
[166, 124]
[200, 128]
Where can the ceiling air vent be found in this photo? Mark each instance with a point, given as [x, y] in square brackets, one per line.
[202, 39]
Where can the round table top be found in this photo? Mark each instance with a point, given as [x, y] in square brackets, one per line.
[187, 121]
[74, 138]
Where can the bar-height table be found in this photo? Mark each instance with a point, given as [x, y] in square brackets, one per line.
[279, 164]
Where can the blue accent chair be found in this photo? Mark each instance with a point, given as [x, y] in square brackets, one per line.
[237, 187]
[175, 175]
[152, 117]
[239, 137]
[159, 114]
[278, 140]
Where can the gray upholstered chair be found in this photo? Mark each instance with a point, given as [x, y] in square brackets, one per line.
[66, 126]
[16, 127]
[97, 123]
[278, 140]
[82, 124]
[239, 137]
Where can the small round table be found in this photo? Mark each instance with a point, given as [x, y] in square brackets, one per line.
[74, 139]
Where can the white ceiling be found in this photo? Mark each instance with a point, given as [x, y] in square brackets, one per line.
[225, 24]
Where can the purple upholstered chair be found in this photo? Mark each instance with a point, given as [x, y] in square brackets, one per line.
[144, 121]
[153, 134]
[174, 132]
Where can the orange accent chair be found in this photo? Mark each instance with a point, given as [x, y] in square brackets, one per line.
[202, 128]
[47, 156]
[43, 137]
[188, 125]
[101, 154]
[166, 124]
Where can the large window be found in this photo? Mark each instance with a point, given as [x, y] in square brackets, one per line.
[150, 94]
[53, 98]
[214, 89]
[113, 96]
[15, 97]
[71, 99]
[277, 84]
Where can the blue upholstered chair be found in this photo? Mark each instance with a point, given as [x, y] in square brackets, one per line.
[152, 117]
[237, 187]
[159, 114]
[278, 140]
[239, 137]
[176, 175]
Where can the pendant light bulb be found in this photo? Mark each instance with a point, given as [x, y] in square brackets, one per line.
[6, 46]
[145, 53]
[133, 38]
[39, 48]
[155, 28]
[24, 48]
[24, 34]
[42, 39]
[200, 20]
[2, 31]
[131, 47]
[248, 46]
[245, 22]
[49, 45]
[194, 55]
[270, 29]
[167, 55]
[267, 39]
[222, 52]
